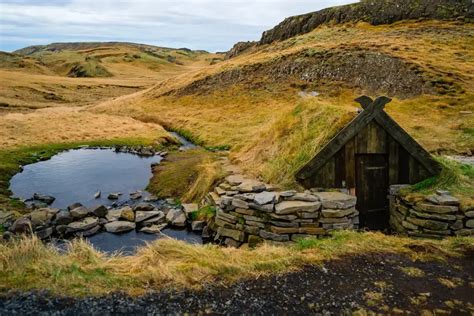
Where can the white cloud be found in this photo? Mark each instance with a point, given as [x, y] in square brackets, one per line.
[197, 24]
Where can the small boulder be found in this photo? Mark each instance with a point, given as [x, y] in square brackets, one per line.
[119, 227]
[44, 233]
[73, 206]
[114, 196]
[82, 225]
[136, 195]
[198, 225]
[159, 219]
[90, 232]
[113, 215]
[44, 198]
[21, 226]
[190, 208]
[97, 195]
[154, 229]
[127, 214]
[79, 212]
[63, 217]
[145, 207]
[141, 216]
[99, 211]
[42, 217]
[176, 217]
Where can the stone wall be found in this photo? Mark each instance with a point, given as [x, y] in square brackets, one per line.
[435, 216]
[249, 211]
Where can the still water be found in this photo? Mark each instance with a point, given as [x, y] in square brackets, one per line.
[76, 175]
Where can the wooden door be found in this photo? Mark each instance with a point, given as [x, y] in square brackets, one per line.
[372, 190]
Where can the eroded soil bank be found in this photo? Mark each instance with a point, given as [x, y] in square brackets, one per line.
[383, 283]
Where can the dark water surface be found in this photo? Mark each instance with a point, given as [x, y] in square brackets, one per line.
[75, 176]
[127, 243]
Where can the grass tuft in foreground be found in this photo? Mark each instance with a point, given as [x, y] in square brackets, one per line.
[28, 263]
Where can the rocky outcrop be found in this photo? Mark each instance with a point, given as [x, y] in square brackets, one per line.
[239, 48]
[352, 67]
[373, 12]
[435, 216]
[249, 211]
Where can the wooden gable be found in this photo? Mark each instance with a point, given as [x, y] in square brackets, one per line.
[372, 132]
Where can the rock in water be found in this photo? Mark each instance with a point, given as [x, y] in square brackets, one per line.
[97, 195]
[63, 218]
[79, 212]
[73, 206]
[146, 207]
[154, 229]
[113, 215]
[114, 196]
[85, 224]
[99, 211]
[141, 216]
[176, 217]
[135, 195]
[44, 198]
[119, 227]
[127, 214]
[198, 225]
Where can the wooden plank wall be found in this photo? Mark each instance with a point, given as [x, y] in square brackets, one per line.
[340, 170]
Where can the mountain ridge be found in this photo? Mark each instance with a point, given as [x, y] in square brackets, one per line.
[372, 12]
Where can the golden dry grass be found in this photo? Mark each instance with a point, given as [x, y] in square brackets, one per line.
[29, 264]
[187, 175]
[66, 125]
[269, 140]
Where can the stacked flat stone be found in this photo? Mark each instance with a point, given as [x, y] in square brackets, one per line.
[435, 216]
[249, 211]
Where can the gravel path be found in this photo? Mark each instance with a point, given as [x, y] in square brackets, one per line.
[372, 282]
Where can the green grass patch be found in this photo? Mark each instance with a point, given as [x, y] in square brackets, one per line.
[456, 177]
[203, 214]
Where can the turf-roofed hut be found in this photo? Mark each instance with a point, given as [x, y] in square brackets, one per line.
[368, 155]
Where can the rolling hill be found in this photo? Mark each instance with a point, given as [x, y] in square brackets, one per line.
[42, 73]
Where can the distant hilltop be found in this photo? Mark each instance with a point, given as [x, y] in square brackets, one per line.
[375, 12]
[89, 45]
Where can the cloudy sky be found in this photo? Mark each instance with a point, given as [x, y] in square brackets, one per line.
[213, 25]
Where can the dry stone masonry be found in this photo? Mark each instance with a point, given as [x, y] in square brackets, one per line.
[249, 211]
[435, 216]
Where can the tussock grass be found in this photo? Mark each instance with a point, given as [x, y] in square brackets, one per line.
[189, 175]
[27, 263]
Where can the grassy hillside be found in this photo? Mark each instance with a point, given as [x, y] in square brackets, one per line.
[277, 104]
[38, 76]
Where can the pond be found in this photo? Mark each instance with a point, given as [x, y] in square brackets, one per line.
[76, 175]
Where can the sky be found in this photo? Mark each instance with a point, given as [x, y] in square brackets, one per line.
[212, 25]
